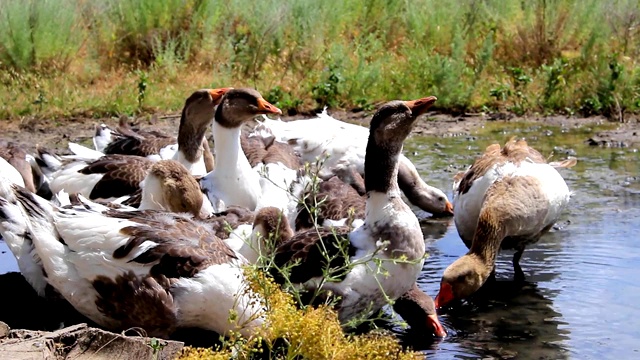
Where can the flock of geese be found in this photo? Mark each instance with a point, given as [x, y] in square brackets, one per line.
[151, 231]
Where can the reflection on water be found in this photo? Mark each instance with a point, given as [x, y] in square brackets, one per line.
[580, 295]
[7, 261]
[582, 279]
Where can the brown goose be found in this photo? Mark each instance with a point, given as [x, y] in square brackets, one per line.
[507, 199]
[390, 231]
[113, 176]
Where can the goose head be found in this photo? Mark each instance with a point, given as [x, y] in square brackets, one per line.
[240, 105]
[197, 113]
[199, 108]
[270, 221]
[419, 311]
[393, 122]
[461, 279]
[171, 187]
[389, 127]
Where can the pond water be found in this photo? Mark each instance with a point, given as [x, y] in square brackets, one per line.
[580, 298]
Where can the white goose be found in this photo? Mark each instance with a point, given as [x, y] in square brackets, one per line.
[112, 176]
[233, 181]
[344, 144]
[155, 270]
[390, 231]
[507, 199]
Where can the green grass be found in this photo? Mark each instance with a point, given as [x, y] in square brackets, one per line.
[66, 57]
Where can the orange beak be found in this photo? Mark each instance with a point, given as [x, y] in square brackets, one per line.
[216, 94]
[267, 108]
[418, 107]
[449, 208]
[434, 323]
[445, 295]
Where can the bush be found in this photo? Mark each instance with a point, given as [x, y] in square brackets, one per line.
[40, 34]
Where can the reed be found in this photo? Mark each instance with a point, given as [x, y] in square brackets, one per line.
[544, 56]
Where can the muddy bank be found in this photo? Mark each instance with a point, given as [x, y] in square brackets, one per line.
[52, 327]
[56, 133]
[82, 342]
[32, 327]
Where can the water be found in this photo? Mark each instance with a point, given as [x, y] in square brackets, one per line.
[580, 296]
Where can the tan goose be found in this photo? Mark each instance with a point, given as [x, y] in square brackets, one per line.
[155, 270]
[390, 231]
[113, 176]
[507, 199]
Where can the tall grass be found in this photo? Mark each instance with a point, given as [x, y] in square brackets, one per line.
[524, 56]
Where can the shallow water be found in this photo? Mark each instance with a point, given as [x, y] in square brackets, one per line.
[580, 296]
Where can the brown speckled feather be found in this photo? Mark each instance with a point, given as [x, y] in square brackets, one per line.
[310, 247]
[184, 248]
[122, 175]
[134, 302]
[514, 151]
[337, 200]
[141, 143]
[223, 222]
[135, 199]
[253, 148]
[260, 150]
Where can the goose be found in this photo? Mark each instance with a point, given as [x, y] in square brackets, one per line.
[153, 144]
[233, 181]
[112, 176]
[507, 199]
[419, 311]
[141, 142]
[385, 253]
[283, 178]
[16, 156]
[270, 229]
[10, 173]
[101, 137]
[169, 188]
[337, 201]
[337, 142]
[155, 270]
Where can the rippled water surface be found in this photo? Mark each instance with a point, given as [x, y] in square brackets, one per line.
[581, 295]
[581, 298]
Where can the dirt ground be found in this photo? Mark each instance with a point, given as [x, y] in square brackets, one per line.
[55, 134]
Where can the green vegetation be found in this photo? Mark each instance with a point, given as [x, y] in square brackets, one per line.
[79, 57]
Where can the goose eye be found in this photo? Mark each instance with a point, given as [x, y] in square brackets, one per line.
[441, 198]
